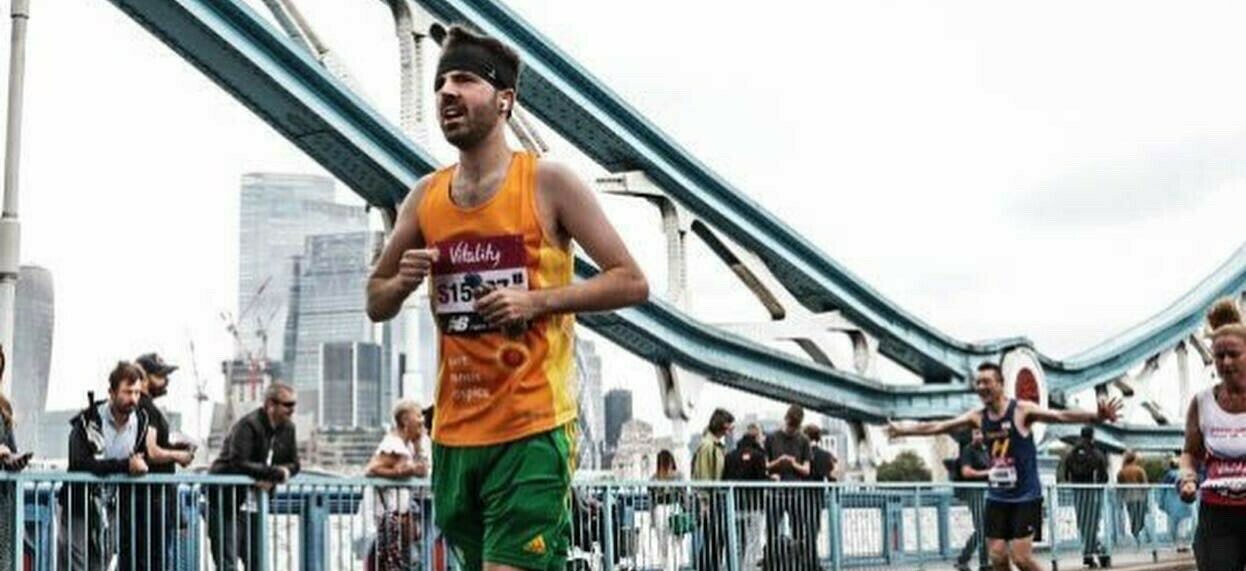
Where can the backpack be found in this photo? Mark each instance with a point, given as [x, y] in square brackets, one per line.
[952, 465]
[1082, 463]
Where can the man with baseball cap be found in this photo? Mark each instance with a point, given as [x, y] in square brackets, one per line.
[163, 457]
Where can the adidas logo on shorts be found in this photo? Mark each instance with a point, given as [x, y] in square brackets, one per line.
[537, 546]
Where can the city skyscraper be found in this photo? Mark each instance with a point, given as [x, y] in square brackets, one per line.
[618, 412]
[350, 385]
[331, 308]
[331, 301]
[31, 356]
[277, 213]
[592, 405]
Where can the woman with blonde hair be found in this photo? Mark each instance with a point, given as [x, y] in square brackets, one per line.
[1215, 440]
[398, 456]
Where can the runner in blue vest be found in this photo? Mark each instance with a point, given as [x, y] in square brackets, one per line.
[1014, 499]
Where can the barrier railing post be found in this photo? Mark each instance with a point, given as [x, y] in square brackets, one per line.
[1151, 516]
[313, 514]
[260, 542]
[429, 534]
[891, 535]
[1053, 504]
[1108, 521]
[41, 516]
[944, 513]
[733, 552]
[835, 497]
[607, 528]
[917, 523]
[12, 488]
[188, 507]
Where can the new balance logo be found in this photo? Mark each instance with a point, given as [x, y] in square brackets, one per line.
[458, 324]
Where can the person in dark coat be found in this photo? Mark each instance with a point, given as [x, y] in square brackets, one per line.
[263, 447]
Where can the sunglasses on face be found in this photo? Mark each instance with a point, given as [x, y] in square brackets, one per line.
[287, 404]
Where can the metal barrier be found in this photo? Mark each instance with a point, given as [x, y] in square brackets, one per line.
[188, 522]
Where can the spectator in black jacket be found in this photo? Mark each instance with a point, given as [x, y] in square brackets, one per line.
[260, 445]
[108, 437]
[973, 466]
[747, 463]
[787, 453]
[1086, 464]
[163, 457]
[821, 465]
[821, 460]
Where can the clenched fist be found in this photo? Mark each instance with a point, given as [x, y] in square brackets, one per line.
[414, 266]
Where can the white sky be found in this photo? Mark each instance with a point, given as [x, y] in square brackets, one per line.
[996, 168]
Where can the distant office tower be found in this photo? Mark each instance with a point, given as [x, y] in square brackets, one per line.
[618, 412]
[592, 405]
[277, 213]
[290, 337]
[350, 385]
[331, 299]
[31, 356]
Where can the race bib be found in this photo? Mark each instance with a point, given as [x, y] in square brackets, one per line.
[463, 268]
[1226, 477]
[1003, 476]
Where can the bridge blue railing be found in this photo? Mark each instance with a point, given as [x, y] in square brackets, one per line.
[75, 521]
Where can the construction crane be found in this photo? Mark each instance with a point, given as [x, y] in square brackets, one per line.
[201, 388]
[261, 330]
[241, 349]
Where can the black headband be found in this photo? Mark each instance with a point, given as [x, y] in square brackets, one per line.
[477, 60]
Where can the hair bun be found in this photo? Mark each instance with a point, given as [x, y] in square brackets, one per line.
[1224, 312]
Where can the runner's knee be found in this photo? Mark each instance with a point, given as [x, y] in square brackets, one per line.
[999, 556]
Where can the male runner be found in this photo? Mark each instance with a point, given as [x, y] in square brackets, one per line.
[494, 232]
[1014, 499]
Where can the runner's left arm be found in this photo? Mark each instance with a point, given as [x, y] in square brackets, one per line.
[620, 283]
[1108, 410]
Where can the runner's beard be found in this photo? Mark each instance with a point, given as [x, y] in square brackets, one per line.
[472, 131]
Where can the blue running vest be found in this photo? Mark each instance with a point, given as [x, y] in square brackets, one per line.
[1014, 458]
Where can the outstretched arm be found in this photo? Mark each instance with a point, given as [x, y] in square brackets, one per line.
[967, 420]
[1108, 410]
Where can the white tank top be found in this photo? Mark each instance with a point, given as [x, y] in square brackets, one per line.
[1224, 437]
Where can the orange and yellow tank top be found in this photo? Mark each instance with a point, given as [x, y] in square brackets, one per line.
[496, 386]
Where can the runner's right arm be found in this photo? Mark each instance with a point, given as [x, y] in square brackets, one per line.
[1187, 482]
[967, 420]
[403, 264]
